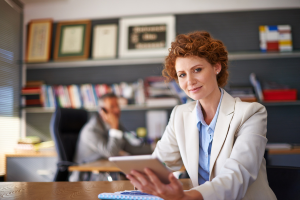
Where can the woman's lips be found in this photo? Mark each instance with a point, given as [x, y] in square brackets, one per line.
[195, 89]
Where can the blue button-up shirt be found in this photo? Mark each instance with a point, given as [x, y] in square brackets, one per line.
[206, 134]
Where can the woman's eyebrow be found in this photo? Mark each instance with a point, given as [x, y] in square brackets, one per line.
[198, 65]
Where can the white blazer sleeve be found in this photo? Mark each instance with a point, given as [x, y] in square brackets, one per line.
[167, 149]
[241, 168]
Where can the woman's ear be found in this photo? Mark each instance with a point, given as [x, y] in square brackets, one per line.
[217, 68]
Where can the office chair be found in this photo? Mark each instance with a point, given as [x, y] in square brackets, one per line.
[65, 127]
[284, 181]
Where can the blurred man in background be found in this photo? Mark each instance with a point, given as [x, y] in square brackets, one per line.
[103, 136]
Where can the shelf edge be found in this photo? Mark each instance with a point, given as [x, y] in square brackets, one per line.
[127, 108]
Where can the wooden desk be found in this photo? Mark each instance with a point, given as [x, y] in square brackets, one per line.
[99, 165]
[31, 154]
[284, 151]
[65, 190]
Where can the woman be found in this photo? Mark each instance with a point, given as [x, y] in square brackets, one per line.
[219, 139]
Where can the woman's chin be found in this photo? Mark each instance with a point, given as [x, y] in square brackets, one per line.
[195, 96]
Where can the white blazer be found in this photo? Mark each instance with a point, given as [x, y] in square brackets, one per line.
[237, 165]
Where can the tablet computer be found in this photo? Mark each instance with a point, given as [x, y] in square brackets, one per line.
[139, 163]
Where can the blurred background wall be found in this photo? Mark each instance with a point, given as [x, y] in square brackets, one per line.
[90, 9]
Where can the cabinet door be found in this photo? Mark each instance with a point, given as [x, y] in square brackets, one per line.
[30, 169]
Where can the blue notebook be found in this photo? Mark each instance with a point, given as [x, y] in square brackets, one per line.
[128, 194]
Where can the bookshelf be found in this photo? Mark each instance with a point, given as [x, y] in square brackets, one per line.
[282, 103]
[145, 108]
[95, 63]
[123, 108]
[155, 60]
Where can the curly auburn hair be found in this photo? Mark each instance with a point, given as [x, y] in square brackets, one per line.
[201, 44]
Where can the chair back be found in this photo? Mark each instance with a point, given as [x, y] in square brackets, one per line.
[284, 181]
[65, 127]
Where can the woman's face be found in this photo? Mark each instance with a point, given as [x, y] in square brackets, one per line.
[196, 76]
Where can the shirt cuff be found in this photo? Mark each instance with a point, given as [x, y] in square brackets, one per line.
[206, 191]
[115, 133]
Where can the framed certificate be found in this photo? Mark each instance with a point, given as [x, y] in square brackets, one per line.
[72, 40]
[105, 41]
[39, 41]
[147, 36]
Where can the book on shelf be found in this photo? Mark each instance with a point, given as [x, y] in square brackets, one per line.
[158, 92]
[257, 87]
[50, 96]
[27, 144]
[88, 95]
[156, 86]
[33, 90]
[280, 94]
[33, 94]
[61, 96]
[102, 89]
[34, 83]
[244, 93]
[273, 91]
[139, 96]
[75, 96]
[178, 91]
[29, 140]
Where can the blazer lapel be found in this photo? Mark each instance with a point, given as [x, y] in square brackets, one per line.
[222, 126]
[192, 142]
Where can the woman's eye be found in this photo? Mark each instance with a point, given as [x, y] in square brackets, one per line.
[198, 70]
[181, 75]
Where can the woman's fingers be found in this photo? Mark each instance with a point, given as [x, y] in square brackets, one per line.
[134, 181]
[141, 181]
[153, 178]
[160, 188]
[176, 185]
[141, 177]
[151, 184]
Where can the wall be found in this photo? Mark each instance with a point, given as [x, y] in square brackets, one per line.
[239, 32]
[96, 9]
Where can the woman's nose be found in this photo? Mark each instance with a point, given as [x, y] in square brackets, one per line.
[191, 80]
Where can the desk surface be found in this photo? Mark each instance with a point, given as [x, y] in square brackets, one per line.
[100, 165]
[284, 151]
[31, 154]
[65, 190]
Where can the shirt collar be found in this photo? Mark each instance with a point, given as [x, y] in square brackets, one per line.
[200, 118]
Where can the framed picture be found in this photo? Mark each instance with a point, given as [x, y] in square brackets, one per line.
[39, 40]
[72, 40]
[105, 41]
[146, 37]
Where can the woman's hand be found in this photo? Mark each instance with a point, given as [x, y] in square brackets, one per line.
[149, 183]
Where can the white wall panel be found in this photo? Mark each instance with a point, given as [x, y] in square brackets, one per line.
[97, 9]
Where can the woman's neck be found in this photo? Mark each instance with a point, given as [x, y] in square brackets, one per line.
[209, 105]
